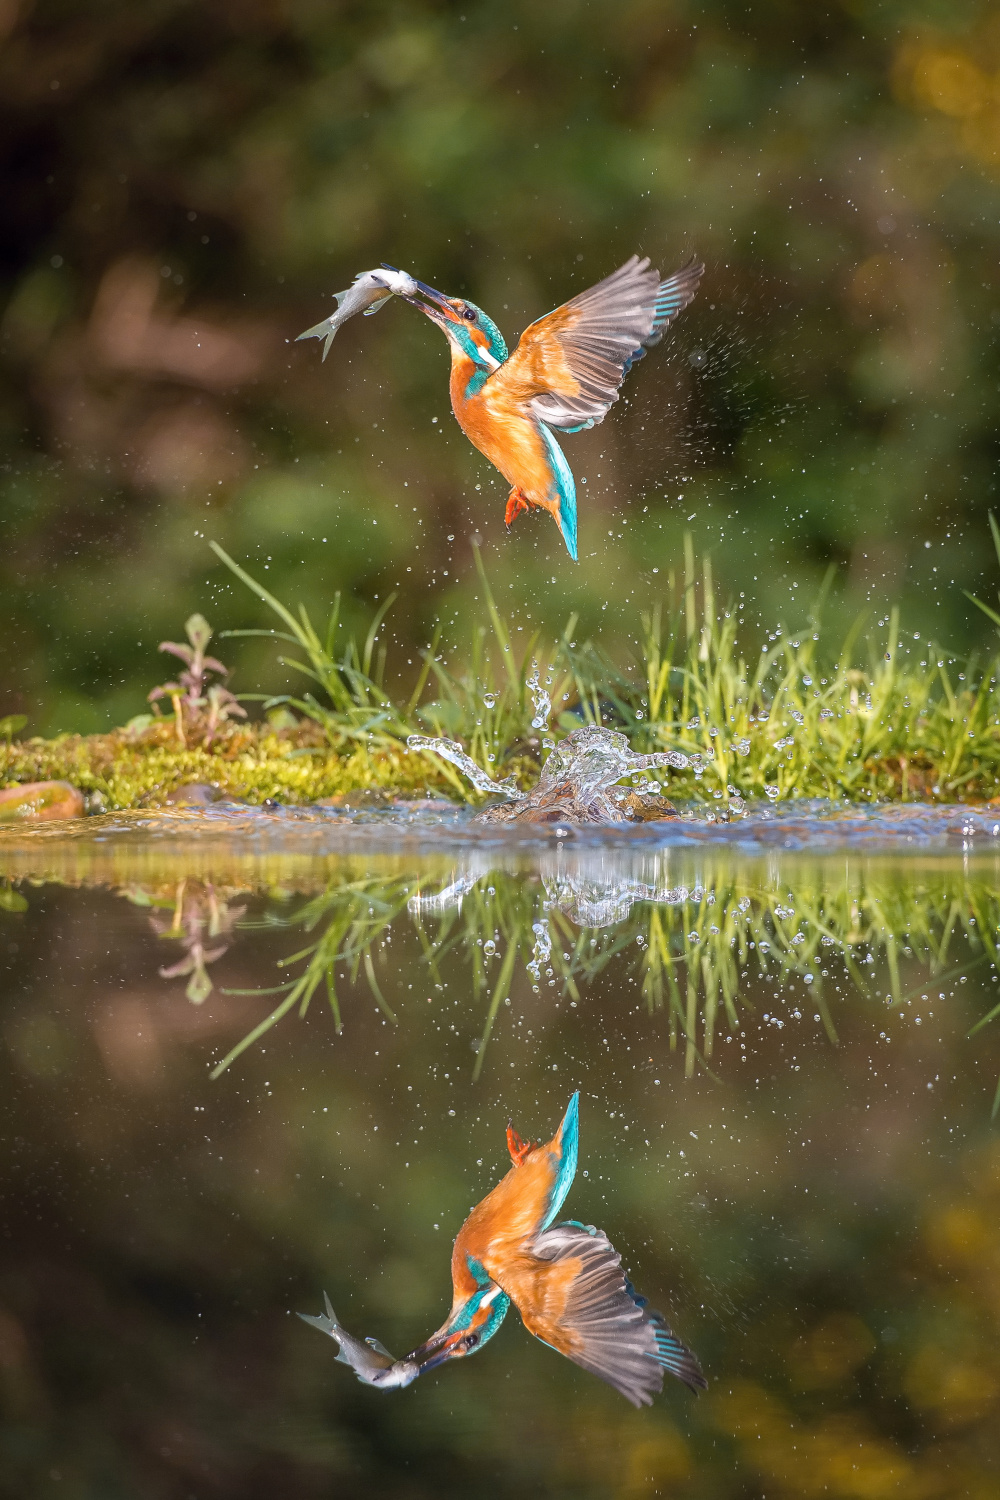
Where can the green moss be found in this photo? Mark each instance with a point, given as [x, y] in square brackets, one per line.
[254, 763]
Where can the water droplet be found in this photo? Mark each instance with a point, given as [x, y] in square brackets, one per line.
[490, 699]
[489, 947]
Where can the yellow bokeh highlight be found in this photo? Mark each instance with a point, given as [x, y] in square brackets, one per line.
[951, 82]
[654, 1463]
[948, 78]
[957, 1388]
[839, 1457]
[831, 1352]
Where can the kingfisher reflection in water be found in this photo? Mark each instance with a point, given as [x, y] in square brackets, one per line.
[564, 1278]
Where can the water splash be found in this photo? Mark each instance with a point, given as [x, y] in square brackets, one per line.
[540, 701]
[542, 951]
[605, 902]
[578, 780]
[452, 751]
[448, 899]
[577, 783]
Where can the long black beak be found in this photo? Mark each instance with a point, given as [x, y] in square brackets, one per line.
[435, 296]
[434, 1352]
[446, 315]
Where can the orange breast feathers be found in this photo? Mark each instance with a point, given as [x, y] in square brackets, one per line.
[503, 429]
[499, 1227]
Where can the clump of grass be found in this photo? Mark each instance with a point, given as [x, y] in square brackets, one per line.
[872, 720]
[867, 722]
[487, 704]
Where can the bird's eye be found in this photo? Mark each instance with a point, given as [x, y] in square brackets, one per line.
[471, 1340]
[470, 313]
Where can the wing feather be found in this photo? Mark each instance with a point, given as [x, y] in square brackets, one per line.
[594, 1316]
[570, 364]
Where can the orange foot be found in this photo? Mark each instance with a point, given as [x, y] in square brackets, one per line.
[518, 1149]
[517, 501]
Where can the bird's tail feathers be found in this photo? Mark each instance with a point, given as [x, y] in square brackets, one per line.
[567, 523]
[566, 491]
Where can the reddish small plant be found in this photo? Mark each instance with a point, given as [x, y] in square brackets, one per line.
[191, 694]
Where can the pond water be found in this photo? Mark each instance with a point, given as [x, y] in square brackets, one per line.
[250, 1057]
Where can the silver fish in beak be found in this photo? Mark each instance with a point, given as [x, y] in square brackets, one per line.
[366, 294]
[371, 1361]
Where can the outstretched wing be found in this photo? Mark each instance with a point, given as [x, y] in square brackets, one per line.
[570, 364]
[586, 1309]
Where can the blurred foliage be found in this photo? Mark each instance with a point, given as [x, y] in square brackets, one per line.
[186, 186]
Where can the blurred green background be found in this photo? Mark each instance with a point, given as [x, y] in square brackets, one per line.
[185, 186]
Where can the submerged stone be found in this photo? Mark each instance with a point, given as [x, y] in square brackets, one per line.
[40, 802]
[193, 794]
[566, 803]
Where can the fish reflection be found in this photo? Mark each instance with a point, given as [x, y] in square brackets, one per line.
[565, 1279]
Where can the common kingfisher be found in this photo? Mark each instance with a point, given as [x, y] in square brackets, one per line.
[565, 373]
[565, 1279]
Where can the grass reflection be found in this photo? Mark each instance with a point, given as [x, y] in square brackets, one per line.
[702, 954]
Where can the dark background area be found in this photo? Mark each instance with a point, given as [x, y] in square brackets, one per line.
[185, 186]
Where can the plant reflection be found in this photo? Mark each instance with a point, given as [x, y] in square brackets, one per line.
[195, 915]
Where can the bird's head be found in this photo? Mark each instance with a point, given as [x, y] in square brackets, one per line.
[466, 327]
[469, 1325]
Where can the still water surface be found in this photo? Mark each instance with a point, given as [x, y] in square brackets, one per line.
[245, 1061]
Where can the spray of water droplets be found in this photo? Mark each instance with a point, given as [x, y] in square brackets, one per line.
[540, 701]
[542, 951]
[452, 751]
